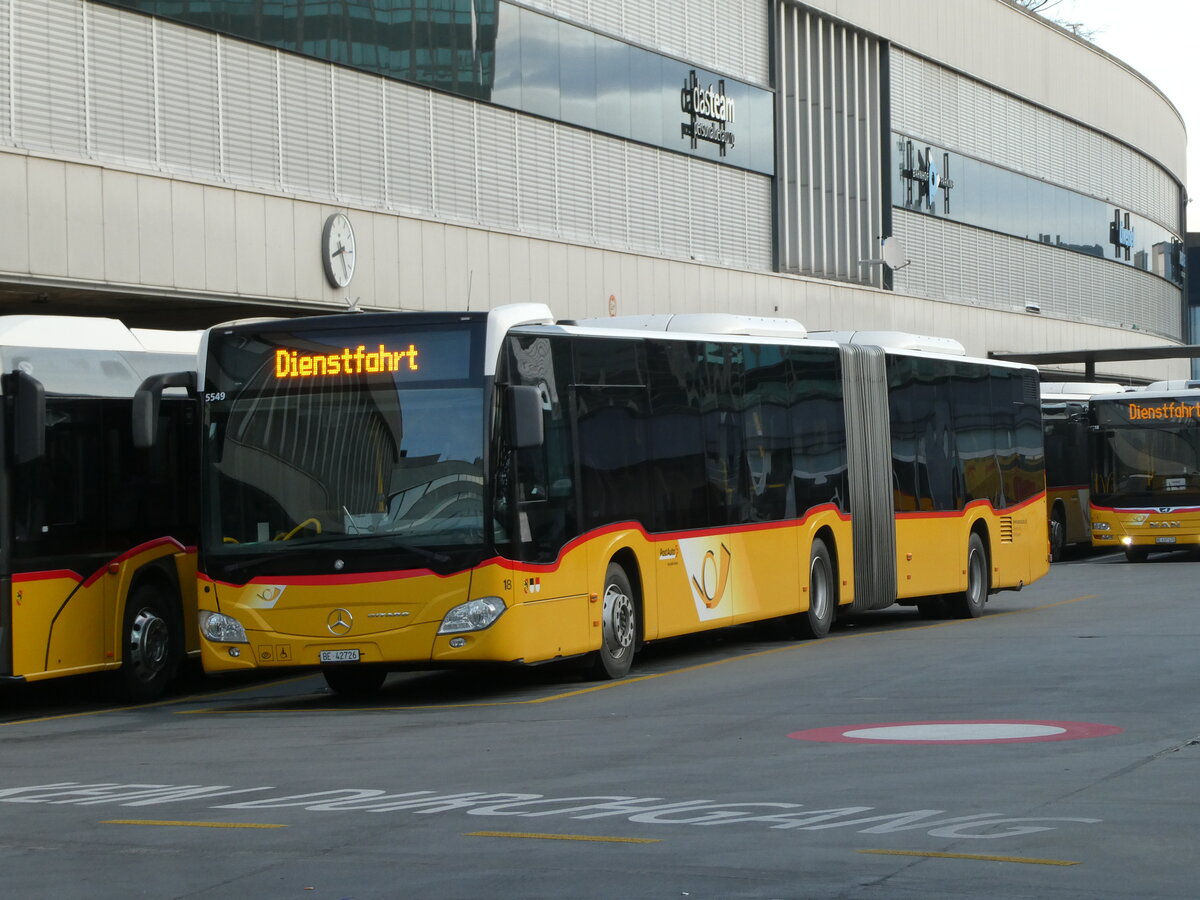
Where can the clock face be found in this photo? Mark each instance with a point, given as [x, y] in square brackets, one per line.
[337, 250]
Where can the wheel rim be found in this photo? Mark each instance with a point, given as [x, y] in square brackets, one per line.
[976, 575]
[149, 640]
[618, 622]
[818, 588]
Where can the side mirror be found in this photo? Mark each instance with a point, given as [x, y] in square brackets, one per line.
[525, 416]
[29, 417]
[146, 402]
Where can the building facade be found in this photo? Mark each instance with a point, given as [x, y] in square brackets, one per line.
[182, 162]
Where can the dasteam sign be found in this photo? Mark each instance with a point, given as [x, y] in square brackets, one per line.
[710, 113]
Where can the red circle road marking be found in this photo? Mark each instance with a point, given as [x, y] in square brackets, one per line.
[959, 731]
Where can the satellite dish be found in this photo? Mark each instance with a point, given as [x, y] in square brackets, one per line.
[894, 255]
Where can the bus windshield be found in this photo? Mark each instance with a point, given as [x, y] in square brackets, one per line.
[347, 440]
[1143, 461]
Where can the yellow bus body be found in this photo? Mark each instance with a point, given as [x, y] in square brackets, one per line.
[928, 546]
[1156, 528]
[688, 582]
[66, 624]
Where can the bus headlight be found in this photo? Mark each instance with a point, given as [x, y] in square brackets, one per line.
[1100, 526]
[222, 629]
[1127, 540]
[474, 615]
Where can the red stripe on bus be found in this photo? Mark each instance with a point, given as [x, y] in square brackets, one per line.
[48, 574]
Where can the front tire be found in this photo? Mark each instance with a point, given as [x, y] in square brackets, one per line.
[969, 604]
[151, 649]
[816, 621]
[618, 619]
[1136, 554]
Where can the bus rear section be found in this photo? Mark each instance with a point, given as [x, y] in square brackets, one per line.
[1146, 471]
[97, 536]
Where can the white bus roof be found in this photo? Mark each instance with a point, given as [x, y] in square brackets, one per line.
[1078, 390]
[895, 340]
[82, 356]
[703, 323]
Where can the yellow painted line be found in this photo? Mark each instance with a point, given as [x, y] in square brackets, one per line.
[626, 682]
[188, 824]
[1029, 861]
[562, 837]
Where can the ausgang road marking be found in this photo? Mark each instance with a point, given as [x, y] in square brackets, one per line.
[1029, 861]
[562, 837]
[189, 824]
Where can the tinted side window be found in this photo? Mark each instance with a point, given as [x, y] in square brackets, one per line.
[975, 431]
[677, 472]
[612, 408]
[818, 428]
[768, 434]
[721, 369]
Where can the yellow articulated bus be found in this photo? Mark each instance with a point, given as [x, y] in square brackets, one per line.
[1067, 428]
[97, 537]
[400, 490]
[1146, 469]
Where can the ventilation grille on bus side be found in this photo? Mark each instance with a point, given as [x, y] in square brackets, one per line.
[1006, 532]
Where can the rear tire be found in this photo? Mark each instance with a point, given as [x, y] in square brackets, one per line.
[816, 621]
[969, 604]
[1058, 536]
[151, 651]
[354, 681]
[618, 620]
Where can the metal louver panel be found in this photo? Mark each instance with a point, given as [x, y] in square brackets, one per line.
[306, 114]
[6, 58]
[498, 167]
[830, 119]
[47, 67]
[537, 176]
[189, 122]
[612, 200]
[456, 187]
[120, 75]
[250, 104]
[408, 151]
[868, 434]
[576, 193]
[358, 136]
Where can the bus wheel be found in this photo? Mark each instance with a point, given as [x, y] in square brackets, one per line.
[618, 620]
[822, 595]
[354, 681]
[969, 604]
[1136, 554]
[1058, 536]
[150, 655]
